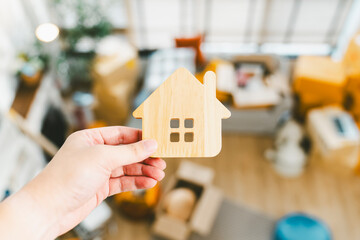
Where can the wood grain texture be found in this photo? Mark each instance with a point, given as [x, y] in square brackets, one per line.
[183, 97]
[245, 177]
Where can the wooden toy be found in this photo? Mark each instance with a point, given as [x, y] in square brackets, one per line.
[184, 116]
[200, 215]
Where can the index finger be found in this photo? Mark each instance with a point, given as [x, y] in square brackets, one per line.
[115, 135]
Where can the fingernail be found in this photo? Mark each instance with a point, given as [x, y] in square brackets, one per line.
[150, 145]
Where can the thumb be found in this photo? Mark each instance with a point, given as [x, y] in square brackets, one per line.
[121, 155]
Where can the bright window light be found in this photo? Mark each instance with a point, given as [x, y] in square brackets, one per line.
[47, 32]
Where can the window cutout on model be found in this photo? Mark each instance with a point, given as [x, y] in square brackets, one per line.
[189, 123]
[174, 123]
[174, 137]
[189, 137]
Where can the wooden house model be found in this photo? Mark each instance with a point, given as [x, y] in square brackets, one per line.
[184, 116]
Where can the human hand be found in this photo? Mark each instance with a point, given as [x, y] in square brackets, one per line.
[91, 165]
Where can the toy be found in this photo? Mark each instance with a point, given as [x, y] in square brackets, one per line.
[189, 179]
[184, 116]
[289, 158]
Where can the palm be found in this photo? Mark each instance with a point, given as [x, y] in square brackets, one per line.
[86, 188]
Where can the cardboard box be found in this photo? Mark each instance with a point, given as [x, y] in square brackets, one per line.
[113, 104]
[107, 70]
[115, 71]
[335, 137]
[351, 64]
[116, 61]
[351, 59]
[319, 81]
[352, 97]
[198, 179]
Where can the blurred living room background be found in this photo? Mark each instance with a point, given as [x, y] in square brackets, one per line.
[288, 70]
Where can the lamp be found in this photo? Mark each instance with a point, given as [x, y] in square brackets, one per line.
[47, 32]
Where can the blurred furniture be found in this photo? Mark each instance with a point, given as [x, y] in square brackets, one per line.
[318, 81]
[195, 43]
[253, 81]
[335, 137]
[257, 114]
[115, 72]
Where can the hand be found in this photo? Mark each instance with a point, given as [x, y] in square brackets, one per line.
[91, 165]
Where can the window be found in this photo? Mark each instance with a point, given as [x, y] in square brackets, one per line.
[189, 123]
[174, 137]
[184, 129]
[174, 123]
[247, 25]
[189, 137]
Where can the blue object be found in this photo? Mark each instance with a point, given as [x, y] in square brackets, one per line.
[28, 70]
[7, 193]
[83, 99]
[299, 226]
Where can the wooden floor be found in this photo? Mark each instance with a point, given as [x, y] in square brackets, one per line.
[247, 178]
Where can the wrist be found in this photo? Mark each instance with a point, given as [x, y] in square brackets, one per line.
[26, 217]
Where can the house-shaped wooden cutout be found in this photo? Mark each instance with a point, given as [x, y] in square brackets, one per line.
[184, 116]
